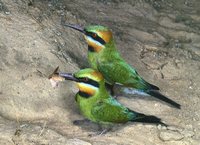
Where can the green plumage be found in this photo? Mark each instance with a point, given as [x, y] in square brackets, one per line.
[101, 107]
[116, 70]
[104, 57]
[104, 109]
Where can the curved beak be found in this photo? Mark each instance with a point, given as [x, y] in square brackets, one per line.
[68, 76]
[75, 27]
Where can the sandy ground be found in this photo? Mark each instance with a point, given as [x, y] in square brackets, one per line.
[159, 38]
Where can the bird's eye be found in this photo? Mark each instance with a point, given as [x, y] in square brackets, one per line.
[85, 79]
[94, 35]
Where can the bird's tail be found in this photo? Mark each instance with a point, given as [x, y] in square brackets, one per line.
[159, 96]
[147, 119]
[151, 86]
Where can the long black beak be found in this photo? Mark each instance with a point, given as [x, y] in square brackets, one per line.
[68, 76]
[75, 27]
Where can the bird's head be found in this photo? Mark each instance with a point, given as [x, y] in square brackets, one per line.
[97, 36]
[88, 80]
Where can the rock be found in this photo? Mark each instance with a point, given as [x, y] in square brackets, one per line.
[169, 135]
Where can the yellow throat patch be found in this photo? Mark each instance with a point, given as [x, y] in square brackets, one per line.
[89, 89]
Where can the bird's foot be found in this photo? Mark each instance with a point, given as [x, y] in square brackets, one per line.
[104, 131]
[110, 88]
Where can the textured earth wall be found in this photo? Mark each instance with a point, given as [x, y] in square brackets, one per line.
[160, 38]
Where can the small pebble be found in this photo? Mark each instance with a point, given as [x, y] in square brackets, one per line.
[161, 127]
[7, 13]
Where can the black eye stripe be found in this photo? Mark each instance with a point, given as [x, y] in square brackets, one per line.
[89, 81]
[91, 49]
[83, 94]
[97, 38]
[93, 83]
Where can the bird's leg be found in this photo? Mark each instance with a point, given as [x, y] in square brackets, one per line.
[102, 130]
[111, 89]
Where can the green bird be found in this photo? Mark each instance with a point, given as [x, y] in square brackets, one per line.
[96, 104]
[104, 57]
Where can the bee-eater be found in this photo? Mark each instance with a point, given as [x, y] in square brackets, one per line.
[104, 57]
[96, 104]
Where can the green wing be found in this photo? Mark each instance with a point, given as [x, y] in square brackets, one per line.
[121, 72]
[109, 110]
[118, 71]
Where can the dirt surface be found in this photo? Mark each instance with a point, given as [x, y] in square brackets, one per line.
[161, 39]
